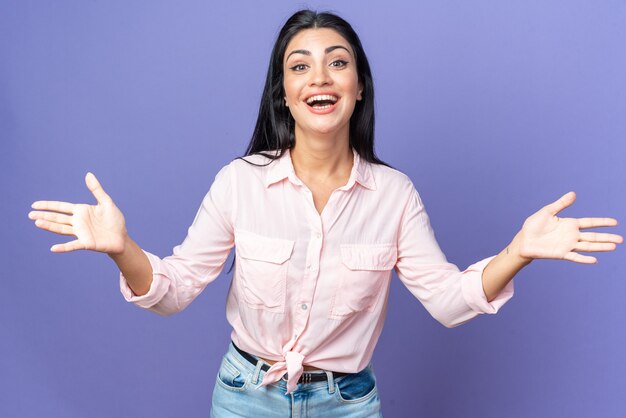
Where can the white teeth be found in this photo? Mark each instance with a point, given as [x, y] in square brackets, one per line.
[321, 97]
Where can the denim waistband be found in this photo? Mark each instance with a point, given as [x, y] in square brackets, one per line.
[307, 376]
[282, 383]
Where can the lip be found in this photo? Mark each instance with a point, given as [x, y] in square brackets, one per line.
[322, 111]
[322, 93]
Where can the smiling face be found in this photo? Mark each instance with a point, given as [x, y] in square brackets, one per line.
[321, 82]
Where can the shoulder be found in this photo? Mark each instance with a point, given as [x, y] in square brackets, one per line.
[389, 179]
[254, 162]
[247, 169]
[395, 186]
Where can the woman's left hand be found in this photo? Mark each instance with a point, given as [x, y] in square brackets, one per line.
[545, 235]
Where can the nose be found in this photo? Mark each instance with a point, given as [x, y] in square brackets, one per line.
[320, 76]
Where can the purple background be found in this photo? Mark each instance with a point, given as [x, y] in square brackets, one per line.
[493, 108]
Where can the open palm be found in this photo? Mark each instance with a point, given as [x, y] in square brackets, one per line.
[98, 227]
[544, 235]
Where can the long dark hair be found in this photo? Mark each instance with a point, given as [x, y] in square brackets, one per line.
[274, 128]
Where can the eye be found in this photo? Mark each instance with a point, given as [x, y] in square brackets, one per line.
[298, 67]
[339, 63]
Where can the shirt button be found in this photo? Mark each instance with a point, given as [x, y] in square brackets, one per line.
[304, 306]
[308, 267]
[318, 235]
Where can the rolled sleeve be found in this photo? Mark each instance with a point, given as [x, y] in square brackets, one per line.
[158, 288]
[474, 294]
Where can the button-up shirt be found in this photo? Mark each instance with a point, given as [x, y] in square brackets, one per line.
[311, 288]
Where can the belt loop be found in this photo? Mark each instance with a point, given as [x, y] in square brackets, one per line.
[257, 372]
[331, 381]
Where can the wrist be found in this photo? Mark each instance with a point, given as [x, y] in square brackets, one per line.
[515, 250]
[122, 249]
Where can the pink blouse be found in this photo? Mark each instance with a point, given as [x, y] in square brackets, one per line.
[309, 288]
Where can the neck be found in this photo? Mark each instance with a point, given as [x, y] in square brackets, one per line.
[318, 156]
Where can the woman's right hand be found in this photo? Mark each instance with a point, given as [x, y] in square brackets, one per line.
[98, 227]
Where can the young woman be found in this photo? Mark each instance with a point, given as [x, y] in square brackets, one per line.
[318, 223]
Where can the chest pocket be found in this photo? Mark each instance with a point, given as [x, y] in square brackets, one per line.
[262, 270]
[364, 271]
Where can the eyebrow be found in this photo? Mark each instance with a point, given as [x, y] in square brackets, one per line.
[307, 52]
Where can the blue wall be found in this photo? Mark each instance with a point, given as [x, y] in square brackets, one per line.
[493, 108]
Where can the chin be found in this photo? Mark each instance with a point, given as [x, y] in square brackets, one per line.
[328, 129]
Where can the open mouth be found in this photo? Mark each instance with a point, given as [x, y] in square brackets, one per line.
[321, 101]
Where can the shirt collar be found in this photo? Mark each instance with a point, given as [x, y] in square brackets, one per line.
[283, 169]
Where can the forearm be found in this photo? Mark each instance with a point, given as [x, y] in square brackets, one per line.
[134, 265]
[502, 268]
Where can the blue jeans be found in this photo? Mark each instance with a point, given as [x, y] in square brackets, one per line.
[236, 394]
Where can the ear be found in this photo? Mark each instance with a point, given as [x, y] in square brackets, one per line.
[286, 104]
[359, 95]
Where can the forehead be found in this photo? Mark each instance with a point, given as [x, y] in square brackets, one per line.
[316, 39]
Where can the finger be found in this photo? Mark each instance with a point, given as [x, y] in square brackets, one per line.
[51, 216]
[54, 227]
[68, 246]
[96, 189]
[63, 207]
[564, 201]
[585, 223]
[579, 258]
[594, 246]
[601, 237]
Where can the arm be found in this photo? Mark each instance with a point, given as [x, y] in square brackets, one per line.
[451, 296]
[544, 235]
[167, 285]
[176, 280]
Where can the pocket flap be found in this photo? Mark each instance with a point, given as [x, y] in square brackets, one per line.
[369, 257]
[257, 247]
